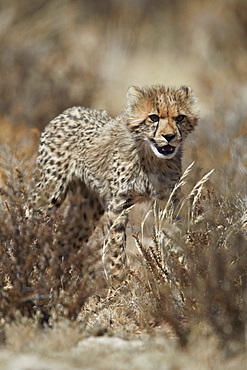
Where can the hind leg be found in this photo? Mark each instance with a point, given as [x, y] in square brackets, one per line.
[50, 181]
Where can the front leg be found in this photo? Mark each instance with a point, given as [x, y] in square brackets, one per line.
[114, 249]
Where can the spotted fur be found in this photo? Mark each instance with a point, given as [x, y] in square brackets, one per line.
[115, 162]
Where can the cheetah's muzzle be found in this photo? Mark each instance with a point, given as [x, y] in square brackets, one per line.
[166, 150]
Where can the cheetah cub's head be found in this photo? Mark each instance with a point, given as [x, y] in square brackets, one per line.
[161, 117]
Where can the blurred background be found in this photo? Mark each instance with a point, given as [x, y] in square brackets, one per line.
[55, 54]
[59, 53]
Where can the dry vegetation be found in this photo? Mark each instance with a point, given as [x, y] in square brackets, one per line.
[184, 305]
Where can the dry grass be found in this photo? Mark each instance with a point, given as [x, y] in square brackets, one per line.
[184, 303]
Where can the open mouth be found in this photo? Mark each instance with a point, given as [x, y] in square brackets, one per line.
[165, 150]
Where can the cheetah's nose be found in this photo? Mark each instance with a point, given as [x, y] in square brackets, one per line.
[169, 137]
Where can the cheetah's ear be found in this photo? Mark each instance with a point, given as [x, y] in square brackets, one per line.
[188, 93]
[187, 90]
[133, 95]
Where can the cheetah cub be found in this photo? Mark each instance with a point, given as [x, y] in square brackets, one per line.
[116, 163]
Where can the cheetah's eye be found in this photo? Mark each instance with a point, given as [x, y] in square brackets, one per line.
[154, 117]
[179, 118]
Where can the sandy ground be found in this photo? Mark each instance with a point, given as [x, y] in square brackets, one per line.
[62, 350]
